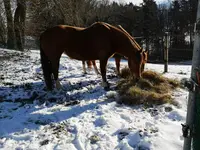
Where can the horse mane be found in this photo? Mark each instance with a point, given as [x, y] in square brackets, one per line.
[122, 30]
[74, 28]
[98, 24]
[130, 36]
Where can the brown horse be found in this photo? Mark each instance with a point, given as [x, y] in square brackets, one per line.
[97, 42]
[117, 57]
[144, 53]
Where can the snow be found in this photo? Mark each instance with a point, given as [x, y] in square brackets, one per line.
[83, 116]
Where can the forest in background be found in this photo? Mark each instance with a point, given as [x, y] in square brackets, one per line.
[148, 22]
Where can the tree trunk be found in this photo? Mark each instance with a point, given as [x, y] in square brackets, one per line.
[23, 19]
[19, 24]
[2, 31]
[10, 29]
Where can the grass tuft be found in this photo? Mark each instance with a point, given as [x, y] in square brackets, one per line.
[151, 89]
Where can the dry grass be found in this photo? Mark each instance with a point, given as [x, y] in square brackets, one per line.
[152, 89]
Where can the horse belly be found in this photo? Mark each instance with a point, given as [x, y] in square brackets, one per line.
[84, 54]
[88, 46]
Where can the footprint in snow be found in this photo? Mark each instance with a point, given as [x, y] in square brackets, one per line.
[101, 121]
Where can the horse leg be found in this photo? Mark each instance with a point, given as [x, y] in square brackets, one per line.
[95, 67]
[47, 70]
[55, 68]
[103, 64]
[89, 64]
[84, 69]
[117, 62]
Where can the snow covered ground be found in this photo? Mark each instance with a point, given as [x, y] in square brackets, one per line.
[83, 116]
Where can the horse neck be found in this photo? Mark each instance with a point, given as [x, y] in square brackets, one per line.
[138, 46]
[124, 44]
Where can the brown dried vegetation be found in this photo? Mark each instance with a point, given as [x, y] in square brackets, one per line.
[152, 88]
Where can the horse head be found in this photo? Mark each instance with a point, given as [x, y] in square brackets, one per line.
[137, 62]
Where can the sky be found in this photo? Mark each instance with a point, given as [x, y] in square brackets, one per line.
[137, 2]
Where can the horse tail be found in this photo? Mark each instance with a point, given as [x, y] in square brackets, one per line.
[47, 69]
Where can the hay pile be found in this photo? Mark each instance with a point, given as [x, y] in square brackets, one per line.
[151, 89]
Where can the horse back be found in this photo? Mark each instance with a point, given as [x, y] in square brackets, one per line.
[53, 41]
[91, 43]
[79, 43]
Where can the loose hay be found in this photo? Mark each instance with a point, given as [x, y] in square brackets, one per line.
[151, 89]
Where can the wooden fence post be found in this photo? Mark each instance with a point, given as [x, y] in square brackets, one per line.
[166, 51]
[191, 130]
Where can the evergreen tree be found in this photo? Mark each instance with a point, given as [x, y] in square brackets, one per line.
[150, 20]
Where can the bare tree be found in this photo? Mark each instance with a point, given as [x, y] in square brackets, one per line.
[10, 29]
[41, 14]
[2, 26]
[76, 12]
[19, 24]
[62, 12]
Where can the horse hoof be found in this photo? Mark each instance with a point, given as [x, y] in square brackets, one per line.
[58, 87]
[107, 88]
[49, 88]
[137, 79]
